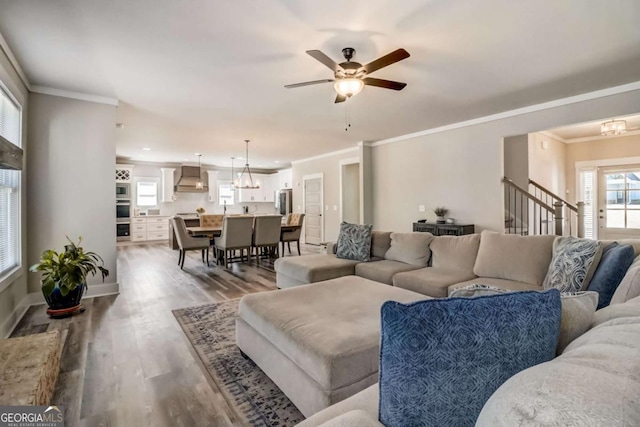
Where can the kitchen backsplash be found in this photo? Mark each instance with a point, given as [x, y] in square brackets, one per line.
[189, 202]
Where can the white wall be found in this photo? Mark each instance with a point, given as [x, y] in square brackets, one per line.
[14, 289]
[547, 165]
[329, 166]
[72, 176]
[516, 159]
[351, 193]
[461, 169]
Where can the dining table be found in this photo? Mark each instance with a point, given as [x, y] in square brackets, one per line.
[212, 232]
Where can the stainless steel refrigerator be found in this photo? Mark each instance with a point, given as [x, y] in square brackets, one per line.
[285, 201]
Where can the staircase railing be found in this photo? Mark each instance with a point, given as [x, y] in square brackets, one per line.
[529, 214]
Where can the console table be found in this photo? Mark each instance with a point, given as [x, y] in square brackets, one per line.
[444, 229]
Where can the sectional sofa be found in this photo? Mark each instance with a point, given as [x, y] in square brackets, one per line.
[318, 337]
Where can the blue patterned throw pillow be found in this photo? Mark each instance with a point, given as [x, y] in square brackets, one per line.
[441, 359]
[354, 242]
[573, 263]
[613, 265]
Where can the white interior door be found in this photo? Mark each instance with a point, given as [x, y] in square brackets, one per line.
[619, 202]
[314, 224]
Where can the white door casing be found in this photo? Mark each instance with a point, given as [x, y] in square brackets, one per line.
[313, 201]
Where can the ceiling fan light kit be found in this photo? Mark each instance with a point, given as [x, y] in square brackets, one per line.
[350, 77]
[613, 127]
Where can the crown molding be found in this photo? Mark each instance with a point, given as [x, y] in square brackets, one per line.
[322, 156]
[14, 62]
[629, 87]
[45, 90]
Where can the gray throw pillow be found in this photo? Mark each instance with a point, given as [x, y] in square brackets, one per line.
[573, 263]
[354, 242]
[476, 290]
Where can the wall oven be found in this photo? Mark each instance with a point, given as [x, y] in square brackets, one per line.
[123, 231]
[123, 211]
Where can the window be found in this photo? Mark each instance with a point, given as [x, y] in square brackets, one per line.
[226, 196]
[10, 123]
[147, 193]
[623, 199]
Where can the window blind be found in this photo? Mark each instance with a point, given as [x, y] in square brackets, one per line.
[10, 119]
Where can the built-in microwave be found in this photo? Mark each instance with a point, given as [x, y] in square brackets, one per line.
[123, 191]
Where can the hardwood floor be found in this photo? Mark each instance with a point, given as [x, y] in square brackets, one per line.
[126, 361]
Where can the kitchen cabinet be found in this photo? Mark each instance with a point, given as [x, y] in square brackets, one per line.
[266, 192]
[145, 228]
[167, 184]
[124, 173]
[285, 179]
[213, 186]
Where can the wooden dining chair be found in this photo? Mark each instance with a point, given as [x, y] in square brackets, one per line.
[187, 242]
[266, 234]
[295, 219]
[236, 235]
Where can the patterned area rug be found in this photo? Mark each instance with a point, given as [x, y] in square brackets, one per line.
[256, 400]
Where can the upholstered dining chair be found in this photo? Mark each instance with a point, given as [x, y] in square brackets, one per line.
[287, 237]
[189, 243]
[236, 235]
[208, 220]
[266, 234]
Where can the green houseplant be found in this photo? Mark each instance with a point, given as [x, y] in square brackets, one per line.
[440, 213]
[64, 276]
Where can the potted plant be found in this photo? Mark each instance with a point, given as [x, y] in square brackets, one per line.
[440, 213]
[64, 276]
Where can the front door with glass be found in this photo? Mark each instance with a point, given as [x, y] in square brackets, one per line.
[619, 202]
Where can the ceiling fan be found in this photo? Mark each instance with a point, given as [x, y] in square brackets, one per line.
[350, 77]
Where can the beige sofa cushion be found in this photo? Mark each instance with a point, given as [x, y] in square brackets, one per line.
[510, 285]
[410, 248]
[512, 257]
[366, 401]
[629, 287]
[595, 382]
[331, 330]
[382, 271]
[455, 252]
[380, 243]
[315, 268]
[431, 281]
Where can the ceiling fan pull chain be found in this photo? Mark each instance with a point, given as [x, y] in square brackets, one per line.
[347, 119]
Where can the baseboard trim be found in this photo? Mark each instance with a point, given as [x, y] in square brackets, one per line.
[36, 298]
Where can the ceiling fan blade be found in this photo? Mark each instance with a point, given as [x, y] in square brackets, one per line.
[313, 82]
[388, 59]
[316, 54]
[340, 98]
[387, 84]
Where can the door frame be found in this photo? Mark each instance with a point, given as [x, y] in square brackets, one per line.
[341, 163]
[305, 178]
[595, 165]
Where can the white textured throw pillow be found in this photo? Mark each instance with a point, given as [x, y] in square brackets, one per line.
[573, 264]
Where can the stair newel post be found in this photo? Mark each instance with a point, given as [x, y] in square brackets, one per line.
[580, 206]
[559, 218]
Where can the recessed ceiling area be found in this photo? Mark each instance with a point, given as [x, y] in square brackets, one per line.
[589, 130]
[203, 76]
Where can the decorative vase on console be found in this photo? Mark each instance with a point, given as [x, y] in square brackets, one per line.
[440, 213]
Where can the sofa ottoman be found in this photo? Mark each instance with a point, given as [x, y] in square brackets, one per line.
[302, 270]
[319, 342]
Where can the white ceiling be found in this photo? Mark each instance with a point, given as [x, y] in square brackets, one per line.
[202, 75]
[577, 132]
